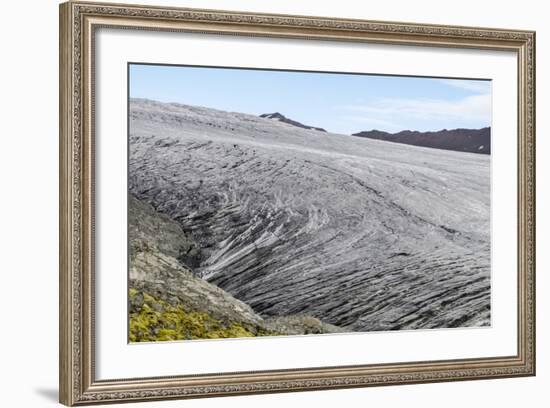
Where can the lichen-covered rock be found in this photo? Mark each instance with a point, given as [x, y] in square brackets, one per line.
[155, 241]
[152, 319]
[167, 301]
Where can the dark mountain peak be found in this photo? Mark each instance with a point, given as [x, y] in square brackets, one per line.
[460, 140]
[282, 118]
[274, 115]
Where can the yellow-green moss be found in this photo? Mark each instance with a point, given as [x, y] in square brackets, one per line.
[159, 321]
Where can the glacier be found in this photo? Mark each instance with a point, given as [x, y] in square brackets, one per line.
[364, 234]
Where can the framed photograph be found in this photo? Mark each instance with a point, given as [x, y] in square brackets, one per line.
[256, 203]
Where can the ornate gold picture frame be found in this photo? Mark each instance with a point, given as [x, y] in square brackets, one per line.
[79, 22]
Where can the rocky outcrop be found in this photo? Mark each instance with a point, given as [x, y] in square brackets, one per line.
[156, 242]
[148, 228]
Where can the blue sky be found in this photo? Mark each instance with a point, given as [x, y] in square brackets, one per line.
[342, 103]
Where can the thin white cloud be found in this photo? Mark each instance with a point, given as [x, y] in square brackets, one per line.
[401, 113]
[480, 87]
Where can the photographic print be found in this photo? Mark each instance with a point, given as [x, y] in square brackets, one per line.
[272, 202]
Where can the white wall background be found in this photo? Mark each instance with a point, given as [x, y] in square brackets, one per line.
[29, 189]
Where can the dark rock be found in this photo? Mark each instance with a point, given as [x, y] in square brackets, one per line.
[460, 140]
[282, 118]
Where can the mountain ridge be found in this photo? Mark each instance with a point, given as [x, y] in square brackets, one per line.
[282, 118]
[459, 140]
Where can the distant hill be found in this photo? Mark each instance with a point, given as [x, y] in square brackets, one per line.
[282, 118]
[461, 140]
